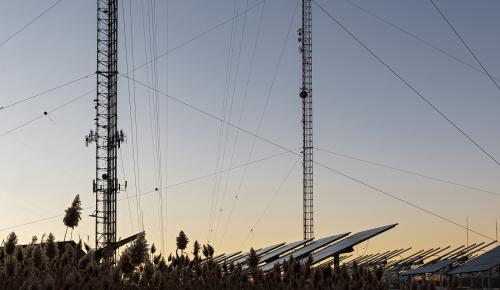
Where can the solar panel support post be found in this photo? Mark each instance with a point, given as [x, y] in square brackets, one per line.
[106, 136]
[305, 39]
[489, 280]
[336, 261]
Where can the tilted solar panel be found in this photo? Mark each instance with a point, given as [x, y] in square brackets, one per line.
[304, 251]
[268, 249]
[213, 258]
[237, 257]
[243, 258]
[276, 253]
[226, 258]
[218, 258]
[432, 268]
[482, 263]
[345, 244]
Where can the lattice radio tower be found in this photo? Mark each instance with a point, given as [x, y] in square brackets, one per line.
[106, 135]
[305, 39]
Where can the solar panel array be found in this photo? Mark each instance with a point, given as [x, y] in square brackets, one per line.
[482, 263]
[225, 258]
[432, 268]
[320, 249]
[241, 258]
[276, 253]
[268, 249]
[345, 244]
[304, 251]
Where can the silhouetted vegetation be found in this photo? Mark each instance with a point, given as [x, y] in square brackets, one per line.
[65, 265]
[73, 215]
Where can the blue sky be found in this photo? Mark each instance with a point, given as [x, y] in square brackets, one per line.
[360, 109]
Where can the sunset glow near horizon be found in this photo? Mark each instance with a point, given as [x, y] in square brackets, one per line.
[360, 110]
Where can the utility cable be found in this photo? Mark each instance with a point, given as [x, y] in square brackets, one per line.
[261, 118]
[408, 172]
[245, 93]
[45, 113]
[134, 68]
[167, 124]
[211, 29]
[233, 150]
[187, 181]
[268, 205]
[126, 191]
[427, 101]
[44, 92]
[220, 155]
[354, 179]
[29, 23]
[464, 43]
[152, 79]
[414, 36]
[132, 111]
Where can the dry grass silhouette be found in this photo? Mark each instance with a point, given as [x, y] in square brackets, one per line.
[70, 265]
[66, 265]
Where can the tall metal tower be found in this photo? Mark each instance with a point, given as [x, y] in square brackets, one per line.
[305, 39]
[106, 136]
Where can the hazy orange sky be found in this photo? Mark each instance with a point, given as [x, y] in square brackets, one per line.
[360, 109]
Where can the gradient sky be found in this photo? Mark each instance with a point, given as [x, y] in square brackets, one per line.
[360, 109]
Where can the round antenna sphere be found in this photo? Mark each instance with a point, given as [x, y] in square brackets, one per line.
[303, 94]
[104, 176]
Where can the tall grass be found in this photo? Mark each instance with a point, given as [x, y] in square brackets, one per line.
[48, 265]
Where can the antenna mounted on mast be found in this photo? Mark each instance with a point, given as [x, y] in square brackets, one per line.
[106, 135]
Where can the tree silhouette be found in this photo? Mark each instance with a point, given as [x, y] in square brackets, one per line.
[73, 215]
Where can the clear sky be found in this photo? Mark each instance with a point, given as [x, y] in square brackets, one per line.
[360, 109]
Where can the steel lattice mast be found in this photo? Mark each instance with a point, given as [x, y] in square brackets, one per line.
[106, 135]
[305, 38]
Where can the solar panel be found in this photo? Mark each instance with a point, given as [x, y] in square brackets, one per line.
[276, 253]
[432, 268]
[304, 251]
[268, 249]
[242, 258]
[218, 258]
[213, 258]
[237, 258]
[225, 258]
[482, 263]
[345, 244]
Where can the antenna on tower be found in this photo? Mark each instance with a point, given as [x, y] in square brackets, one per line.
[106, 135]
[305, 39]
